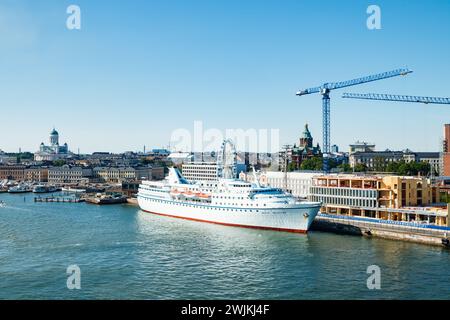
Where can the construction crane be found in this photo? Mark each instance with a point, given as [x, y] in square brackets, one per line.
[397, 98]
[325, 89]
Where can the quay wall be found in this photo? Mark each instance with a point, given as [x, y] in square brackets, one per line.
[425, 234]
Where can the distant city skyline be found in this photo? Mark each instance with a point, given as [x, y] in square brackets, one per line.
[136, 72]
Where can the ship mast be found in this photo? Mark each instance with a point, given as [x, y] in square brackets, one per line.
[286, 148]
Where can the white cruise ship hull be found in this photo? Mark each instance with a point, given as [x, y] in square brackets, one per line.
[294, 218]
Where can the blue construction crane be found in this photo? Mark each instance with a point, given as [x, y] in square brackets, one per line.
[398, 98]
[325, 89]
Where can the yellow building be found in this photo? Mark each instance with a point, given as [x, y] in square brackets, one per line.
[393, 198]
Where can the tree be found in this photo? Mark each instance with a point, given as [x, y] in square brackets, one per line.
[344, 167]
[314, 163]
[292, 166]
[379, 164]
[360, 167]
[59, 163]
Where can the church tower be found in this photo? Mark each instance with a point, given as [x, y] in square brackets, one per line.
[306, 139]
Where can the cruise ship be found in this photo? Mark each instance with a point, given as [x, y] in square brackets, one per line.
[230, 202]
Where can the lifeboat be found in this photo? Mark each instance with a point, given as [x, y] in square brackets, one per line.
[204, 195]
[189, 194]
[175, 192]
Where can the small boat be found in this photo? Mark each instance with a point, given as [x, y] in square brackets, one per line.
[40, 189]
[44, 189]
[2, 204]
[19, 189]
[74, 190]
[107, 199]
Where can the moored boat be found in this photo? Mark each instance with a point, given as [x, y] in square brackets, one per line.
[21, 188]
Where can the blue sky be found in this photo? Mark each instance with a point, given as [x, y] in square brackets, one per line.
[138, 70]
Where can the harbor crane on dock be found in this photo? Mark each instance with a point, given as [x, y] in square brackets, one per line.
[325, 89]
[396, 98]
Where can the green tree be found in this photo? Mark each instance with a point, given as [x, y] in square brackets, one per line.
[292, 166]
[379, 164]
[344, 167]
[59, 163]
[360, 167]
[314, 163]
[392, 167]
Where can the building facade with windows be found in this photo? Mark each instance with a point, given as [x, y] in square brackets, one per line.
[36, 174]
[387, 197]
[67, 174]
[122, 174]
[12, 172]
[375, 159]
[200, 171]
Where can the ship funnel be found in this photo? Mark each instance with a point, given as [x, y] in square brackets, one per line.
[175, 177]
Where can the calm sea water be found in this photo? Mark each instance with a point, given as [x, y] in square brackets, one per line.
[125, 253]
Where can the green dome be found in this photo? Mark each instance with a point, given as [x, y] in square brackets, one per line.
[54, 132]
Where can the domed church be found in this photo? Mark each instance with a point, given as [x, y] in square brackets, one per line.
[305, 148]
[54, 151]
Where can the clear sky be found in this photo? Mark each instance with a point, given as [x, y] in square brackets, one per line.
[138, 70]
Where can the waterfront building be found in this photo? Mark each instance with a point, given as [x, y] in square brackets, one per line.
[68, 174]
[12, 172]
[114, 175]
[54, 151]
[122, 174]
[298, 183]
[36, 174]
[387, 197]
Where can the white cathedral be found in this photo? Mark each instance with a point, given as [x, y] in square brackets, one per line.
[54, 151]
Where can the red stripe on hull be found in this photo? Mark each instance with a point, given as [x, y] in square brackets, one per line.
[228, 224]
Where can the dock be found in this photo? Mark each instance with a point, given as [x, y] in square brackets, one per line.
[394, 230]
[58, 199]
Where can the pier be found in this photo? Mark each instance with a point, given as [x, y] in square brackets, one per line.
[58, 199]
[394, 230]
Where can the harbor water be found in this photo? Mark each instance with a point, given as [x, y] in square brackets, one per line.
[124, 253]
